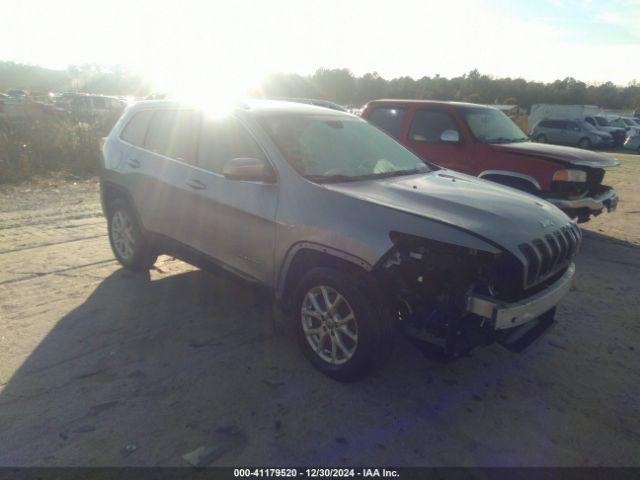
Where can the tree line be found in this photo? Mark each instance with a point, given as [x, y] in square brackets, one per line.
[342, 86]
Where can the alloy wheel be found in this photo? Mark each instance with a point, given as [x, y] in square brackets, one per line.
[122, 235]
[329, 325]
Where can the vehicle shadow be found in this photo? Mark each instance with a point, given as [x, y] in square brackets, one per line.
[145, 371]
[136, 344]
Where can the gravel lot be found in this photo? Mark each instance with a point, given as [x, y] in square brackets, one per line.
[102, 367]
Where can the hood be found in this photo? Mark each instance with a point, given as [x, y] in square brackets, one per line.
[557, 153]
[505, 216]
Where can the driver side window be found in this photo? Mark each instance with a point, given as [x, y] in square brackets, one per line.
[428, 125]
[222, 140]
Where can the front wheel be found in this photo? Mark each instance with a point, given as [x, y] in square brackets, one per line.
[127, 238]
[341, 327]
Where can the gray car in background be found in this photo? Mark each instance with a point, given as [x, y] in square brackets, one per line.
[569, 132]
[354, 234]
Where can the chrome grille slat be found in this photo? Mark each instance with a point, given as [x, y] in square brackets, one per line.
[545, 256]
[555, 251]
[548, 254]
[563, 243]
[573, 240]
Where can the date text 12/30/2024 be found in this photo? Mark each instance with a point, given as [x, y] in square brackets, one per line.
[315, 472]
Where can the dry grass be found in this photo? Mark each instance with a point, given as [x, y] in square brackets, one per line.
[39, 142]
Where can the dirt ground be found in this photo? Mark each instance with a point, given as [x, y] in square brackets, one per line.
[102, 367]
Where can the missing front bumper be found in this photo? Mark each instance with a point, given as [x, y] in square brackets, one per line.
[507, 315]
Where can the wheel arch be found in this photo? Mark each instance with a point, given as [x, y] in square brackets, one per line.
[110, 191]
[304, 256]
[512, 179]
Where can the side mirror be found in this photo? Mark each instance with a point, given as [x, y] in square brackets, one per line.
[450, 136]
[249, 170]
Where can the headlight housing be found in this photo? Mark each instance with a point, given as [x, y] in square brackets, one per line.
[570, 176]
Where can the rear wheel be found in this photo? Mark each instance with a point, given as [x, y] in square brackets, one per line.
[541, 139]
[340, 328]
[584, 143]
[128, 241]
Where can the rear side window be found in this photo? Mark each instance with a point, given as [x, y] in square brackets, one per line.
[135, 131]
[428, 125]
[555, 124]
[222, 140]
[388, 119]
[173, 133]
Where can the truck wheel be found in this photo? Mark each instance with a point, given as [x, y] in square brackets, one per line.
[127, 239]
[341, 329]
[541, 139]
[584, 143]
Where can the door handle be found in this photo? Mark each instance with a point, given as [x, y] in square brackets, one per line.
[196, 184]
[133, 163]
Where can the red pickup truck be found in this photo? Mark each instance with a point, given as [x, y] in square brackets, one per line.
[482, 141]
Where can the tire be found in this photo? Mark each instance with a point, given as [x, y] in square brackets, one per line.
[340, 355]
[541, 139]
[127, 238]
[584, 143]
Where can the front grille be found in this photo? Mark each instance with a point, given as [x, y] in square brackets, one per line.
[545, 256]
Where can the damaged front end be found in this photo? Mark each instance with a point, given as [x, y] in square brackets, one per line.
[451, 298]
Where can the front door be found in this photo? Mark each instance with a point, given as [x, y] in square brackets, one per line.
[424, 138]
[232, 221]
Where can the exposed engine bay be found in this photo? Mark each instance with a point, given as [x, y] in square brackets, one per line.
[430, 283]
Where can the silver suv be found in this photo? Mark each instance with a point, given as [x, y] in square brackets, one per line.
[355, 235]
[569, 132]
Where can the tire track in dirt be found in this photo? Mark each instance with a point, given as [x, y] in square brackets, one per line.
[43, 245]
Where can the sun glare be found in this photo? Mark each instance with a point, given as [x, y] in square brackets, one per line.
[215, 90]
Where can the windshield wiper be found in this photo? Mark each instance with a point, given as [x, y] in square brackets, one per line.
[371, 176]
[506, 140]
[399, 173]
[332, 178]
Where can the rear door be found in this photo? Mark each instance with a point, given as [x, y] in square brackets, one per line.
[164, 163]
[425, 131]
[231, 221]
[551, 130]
[135, 164]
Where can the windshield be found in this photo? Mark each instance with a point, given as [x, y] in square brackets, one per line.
[492, 126]
[602, 121]
[333, 149]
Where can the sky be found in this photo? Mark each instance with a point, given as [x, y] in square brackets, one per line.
[188, 44]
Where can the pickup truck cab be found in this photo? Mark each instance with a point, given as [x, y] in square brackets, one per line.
[482, 141]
